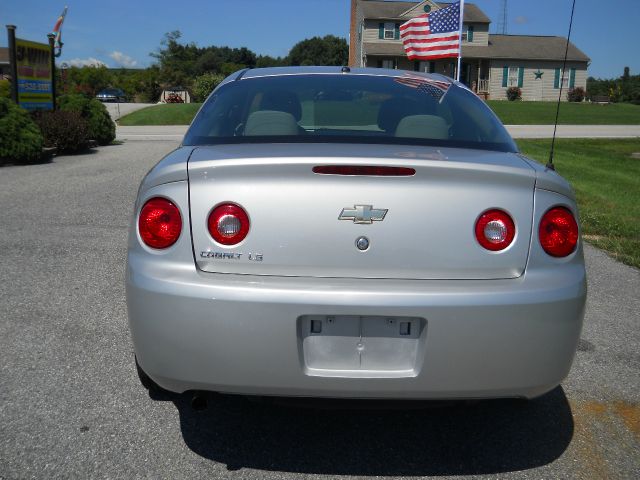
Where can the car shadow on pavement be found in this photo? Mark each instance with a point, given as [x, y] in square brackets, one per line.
[360, 438]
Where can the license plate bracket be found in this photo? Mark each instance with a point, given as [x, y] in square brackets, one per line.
[361, 346]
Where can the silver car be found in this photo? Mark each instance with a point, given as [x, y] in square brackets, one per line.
[362, 233]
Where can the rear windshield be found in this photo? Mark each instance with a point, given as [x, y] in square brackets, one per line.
[410, 109]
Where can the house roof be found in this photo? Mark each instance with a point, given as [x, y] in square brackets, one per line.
[520, 47]
[529, 47]
[379, 9]
[4, 55]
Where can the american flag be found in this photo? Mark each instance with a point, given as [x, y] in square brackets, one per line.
[429, 86]
[434, 35]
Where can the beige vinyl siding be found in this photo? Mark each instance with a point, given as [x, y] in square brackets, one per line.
[371, 31]
[480, 34]
[532, 89]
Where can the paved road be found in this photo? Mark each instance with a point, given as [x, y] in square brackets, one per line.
[117, 110]
[71, 405]
[517, 131]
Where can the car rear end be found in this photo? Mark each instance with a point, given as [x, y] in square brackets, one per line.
[319, 266]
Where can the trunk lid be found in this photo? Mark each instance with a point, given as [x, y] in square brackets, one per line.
[427, 232]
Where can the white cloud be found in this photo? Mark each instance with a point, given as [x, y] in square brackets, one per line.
[522, 20]
[86, 62]
[123, 60]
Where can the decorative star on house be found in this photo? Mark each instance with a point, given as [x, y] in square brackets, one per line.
[538, 75]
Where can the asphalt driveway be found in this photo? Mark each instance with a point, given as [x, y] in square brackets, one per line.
[71, 405]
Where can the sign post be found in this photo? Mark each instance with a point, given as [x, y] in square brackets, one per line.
[52, 41]
[11, 34]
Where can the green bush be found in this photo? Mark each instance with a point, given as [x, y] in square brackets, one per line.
[514, 93]
[20, 139]
[68, 131]
[204, 84]
[101, 127]
[5, 89]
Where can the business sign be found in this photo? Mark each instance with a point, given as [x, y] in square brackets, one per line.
[33, 65]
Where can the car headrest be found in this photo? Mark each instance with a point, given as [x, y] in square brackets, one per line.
[392, 110]
[282, 101]
[270, 122]
[423, 126]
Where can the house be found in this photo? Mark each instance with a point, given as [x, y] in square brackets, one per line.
[490, 63]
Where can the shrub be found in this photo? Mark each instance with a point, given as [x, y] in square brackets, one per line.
[204, 84]
[20, 139]
[5, 89]
[68, 131]
[576, 94]
[514, 93]
[101, 127]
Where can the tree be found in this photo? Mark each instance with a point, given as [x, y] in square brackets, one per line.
[88, 80]
[204, 84]
[264, 61]
[176, 61]
[328, 50]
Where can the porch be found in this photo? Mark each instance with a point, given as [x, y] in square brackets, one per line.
[476, 73]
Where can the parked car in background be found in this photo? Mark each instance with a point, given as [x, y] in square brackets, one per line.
[111, 95]
[361, 233]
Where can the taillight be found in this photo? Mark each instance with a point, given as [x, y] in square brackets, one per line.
[228, 224]
[558, 232]
[159, 223]
[495, 230]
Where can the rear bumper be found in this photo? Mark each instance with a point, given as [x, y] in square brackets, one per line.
[240, 334]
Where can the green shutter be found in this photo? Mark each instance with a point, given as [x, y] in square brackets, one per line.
[520, 76]
[470, 33]
[381, 31]
[432, 67]
[416, 66]
[556, 80]
[397, 34]
[572, 78]
[505, 75]
[379, 63]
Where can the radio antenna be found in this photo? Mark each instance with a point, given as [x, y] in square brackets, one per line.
[550, 165]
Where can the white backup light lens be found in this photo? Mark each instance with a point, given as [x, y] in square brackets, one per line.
[495, 231]
[229, 225]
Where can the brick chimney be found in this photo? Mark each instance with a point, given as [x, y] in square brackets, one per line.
[353, 34]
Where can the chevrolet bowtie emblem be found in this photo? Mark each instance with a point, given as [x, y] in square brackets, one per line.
[363, 214]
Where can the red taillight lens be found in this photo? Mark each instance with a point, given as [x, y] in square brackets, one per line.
[558, 232]
[370, 170]
[228, 224]
[495, 230]
[159, 223]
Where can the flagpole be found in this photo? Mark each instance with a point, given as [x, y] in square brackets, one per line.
[460, 49]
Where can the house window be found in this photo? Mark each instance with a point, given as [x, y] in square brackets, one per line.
[467, 33]
[427, 67]
[389, 31]
[565, 79]
[388, 64]
[513, 76]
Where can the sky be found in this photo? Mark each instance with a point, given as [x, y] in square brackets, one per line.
[124, 32]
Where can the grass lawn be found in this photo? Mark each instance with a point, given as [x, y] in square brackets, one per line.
[544, 113]
[511, 113]
[165, 114]
[607, 183]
